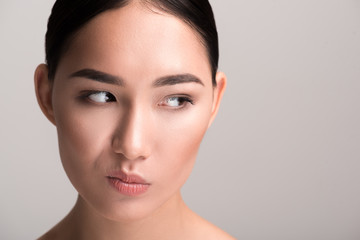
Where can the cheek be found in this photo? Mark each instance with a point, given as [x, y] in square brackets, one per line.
[83, 137]
[179, 145]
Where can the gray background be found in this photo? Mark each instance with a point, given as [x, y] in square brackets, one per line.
[282, 159]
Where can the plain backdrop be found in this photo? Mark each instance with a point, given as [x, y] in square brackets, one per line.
[282, 159]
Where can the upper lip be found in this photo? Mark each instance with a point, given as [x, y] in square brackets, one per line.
[127, 178]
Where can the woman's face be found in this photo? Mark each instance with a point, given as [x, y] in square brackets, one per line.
[132, 96]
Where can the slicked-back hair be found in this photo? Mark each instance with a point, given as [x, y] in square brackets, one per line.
[69, 16]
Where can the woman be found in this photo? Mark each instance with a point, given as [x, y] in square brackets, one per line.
[132, 87]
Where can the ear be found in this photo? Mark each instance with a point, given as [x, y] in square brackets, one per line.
[43, 89]
[218, 93]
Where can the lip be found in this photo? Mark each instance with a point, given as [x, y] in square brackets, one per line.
[128, 184]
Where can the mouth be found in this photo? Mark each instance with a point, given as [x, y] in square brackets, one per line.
[129, 185]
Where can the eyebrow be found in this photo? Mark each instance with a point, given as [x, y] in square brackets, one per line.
[99, 76]
[177, 79]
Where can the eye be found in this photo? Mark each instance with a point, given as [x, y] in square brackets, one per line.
[176, 102]
[101, 97]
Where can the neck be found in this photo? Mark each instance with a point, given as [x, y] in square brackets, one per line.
[168, 222]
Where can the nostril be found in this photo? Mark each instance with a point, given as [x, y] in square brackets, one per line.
[129, 149]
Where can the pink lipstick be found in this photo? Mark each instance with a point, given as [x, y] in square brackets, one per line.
[128, 184]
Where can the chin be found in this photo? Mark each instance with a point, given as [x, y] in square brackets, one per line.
[124, 210]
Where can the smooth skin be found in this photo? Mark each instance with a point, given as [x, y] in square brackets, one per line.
[134, 119]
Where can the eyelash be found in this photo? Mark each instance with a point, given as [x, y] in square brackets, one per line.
[183, 100]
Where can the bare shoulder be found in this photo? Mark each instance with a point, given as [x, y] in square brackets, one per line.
[60, 231]
[207, 230]
[50, 235]
[211, 232]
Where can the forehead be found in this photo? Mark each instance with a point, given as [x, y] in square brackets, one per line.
[138, 41]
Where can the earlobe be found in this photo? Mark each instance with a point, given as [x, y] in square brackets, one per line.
[43, 89]
[219, 90]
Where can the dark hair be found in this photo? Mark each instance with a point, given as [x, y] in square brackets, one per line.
[68, 16]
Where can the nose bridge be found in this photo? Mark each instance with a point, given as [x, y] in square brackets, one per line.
[130, 138]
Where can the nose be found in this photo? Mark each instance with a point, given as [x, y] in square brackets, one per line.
[131, 136]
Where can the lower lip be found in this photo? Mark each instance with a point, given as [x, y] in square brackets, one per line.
[129, 189]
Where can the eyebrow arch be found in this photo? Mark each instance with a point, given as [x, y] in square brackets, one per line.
[177, 79]
[98, 76]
